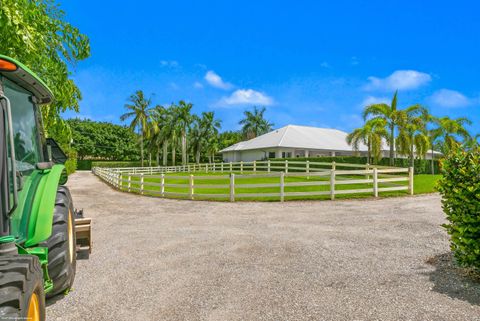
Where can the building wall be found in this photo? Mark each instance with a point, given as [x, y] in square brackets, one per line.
[251, 155]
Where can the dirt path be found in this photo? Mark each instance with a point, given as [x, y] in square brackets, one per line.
[156, 259]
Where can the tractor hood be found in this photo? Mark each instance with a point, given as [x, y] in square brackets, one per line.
[24, 77]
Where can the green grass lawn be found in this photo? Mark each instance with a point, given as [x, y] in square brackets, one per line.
[422, 184]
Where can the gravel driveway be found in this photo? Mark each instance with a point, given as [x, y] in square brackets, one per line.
[156, 259]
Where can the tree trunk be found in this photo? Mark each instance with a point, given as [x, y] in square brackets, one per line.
[165, 152]
[158, 156]
[141, 146]
[369, 153]
[173, 155]
[392, 145]
[184, 148]
[149, 159]
[197, 156]
[433, 163]
[412, 156]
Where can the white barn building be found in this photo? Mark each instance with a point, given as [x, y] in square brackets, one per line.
[295, 141]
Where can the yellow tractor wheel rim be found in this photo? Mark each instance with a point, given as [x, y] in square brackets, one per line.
[71, 244]
[33, 308]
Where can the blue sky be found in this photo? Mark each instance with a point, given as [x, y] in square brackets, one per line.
[311, 63]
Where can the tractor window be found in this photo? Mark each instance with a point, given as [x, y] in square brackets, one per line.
[25, 128]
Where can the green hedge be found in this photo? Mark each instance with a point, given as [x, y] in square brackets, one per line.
[120, 163]
[460, 190]
[421, 166]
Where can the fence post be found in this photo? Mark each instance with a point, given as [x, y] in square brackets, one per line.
[129, 182]
[268, 166]
[254, 166]
[206, 168]
[375, 182]
[214, 167]
[191, 187]
[221, 166]
[232, 187]
[120, 181]
[141, 183]
[286, 166]
[332, 184]
[162, 185]
[230, 167]
[241, 166]
[410, 180]
[368, 168]
[282, 186]
[334, 166]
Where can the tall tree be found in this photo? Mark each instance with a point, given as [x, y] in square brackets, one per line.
[393, 117]
[139, 107]
[228, 138]
[162, 125]
[372, 135]
[184, 120]
[254, 124]
[451, 132]
[102, 140]
[37, 34]
[205, 134]
[413, 137]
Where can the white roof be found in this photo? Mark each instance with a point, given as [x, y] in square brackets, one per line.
[294, 136]
[302, 137]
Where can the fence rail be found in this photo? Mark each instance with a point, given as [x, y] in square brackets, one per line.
[242, 180]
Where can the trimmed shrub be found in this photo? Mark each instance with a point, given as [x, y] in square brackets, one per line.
[85, 164]
[121, 163]
[71, 163]
[460, 190]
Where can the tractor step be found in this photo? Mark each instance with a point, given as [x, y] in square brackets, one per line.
[83, 232]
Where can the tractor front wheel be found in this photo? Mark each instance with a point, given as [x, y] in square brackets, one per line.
[61, 244]
[22, 296]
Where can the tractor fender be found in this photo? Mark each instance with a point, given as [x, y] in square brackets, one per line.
[39, 226]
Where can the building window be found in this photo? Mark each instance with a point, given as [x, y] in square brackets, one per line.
[286, 154]
[271, 154]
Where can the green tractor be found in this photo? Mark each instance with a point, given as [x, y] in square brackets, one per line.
[40, 232]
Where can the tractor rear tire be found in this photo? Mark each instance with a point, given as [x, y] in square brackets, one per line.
[22, 296]
[62, 244]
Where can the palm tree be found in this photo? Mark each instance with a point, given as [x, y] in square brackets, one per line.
[197, 138]
[203, 133]
[413, 137]
[184, 120]
[393, 118]
[372, 135]
[254, 124]
[160, 132]
[139, 111]
[451, 132]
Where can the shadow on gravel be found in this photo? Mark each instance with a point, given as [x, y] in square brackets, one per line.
[53, 300]
[454, 281]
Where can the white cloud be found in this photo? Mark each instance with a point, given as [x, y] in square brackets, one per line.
[325, 64]
[216, 81]
[197, 85]
[246, 97]
[354, 61]
[450, 99]
[370, 100]
[400, 79]
[169, 63]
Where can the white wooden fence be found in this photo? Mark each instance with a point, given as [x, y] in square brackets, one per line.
[282, 176]
[253, 166]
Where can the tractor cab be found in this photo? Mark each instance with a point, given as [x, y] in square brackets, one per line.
[37, 217]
